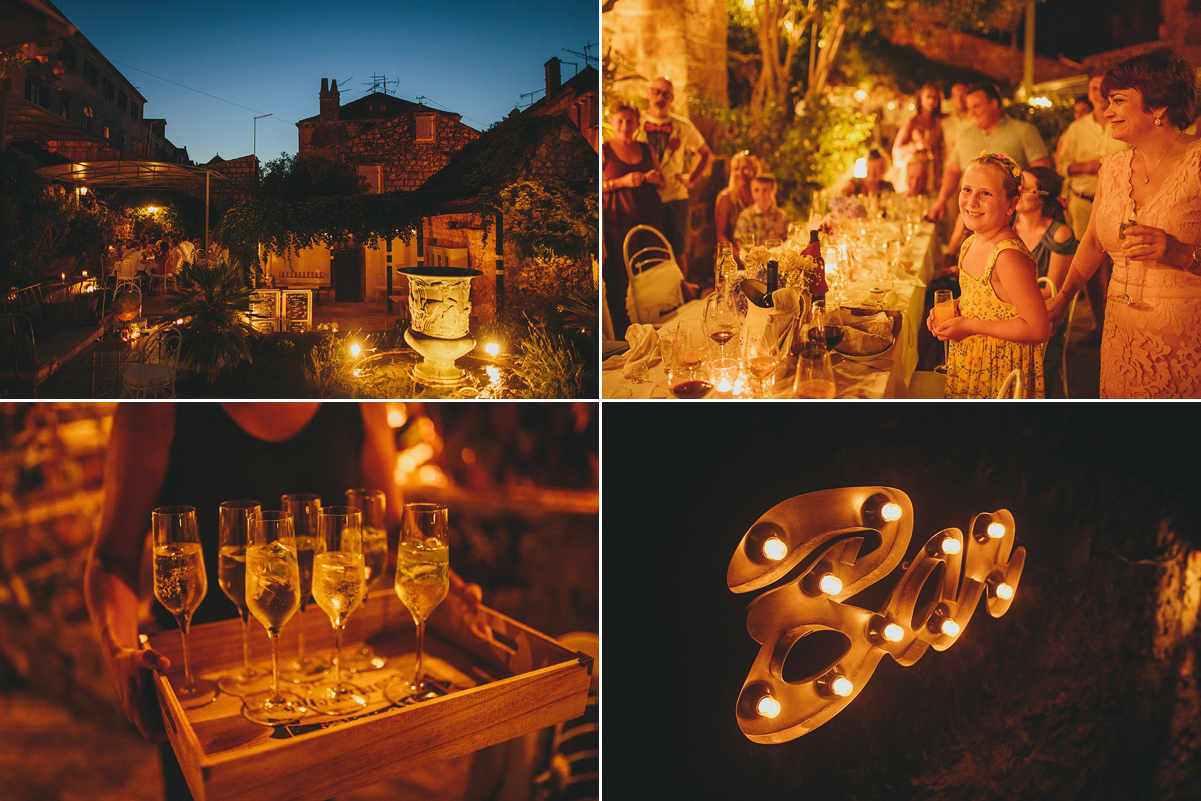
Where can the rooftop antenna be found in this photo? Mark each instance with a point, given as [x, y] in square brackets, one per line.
[379, 83]
[530, 94]
[586, 55]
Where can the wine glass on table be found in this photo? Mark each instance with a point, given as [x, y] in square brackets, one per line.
[814, 372]
[303, 508]
[273, 595]
[422, 579]
[235, 519]
[723, 318]
[371, 502]
[825, 325]
[688, 371]
[180, 584]
[944, 310]
[338, 588]
[762, 354]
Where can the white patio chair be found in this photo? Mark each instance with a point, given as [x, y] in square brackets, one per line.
[153, 374]
[1013, 386]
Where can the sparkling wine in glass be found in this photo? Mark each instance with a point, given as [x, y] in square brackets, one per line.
[761, 353]
[235, 519]
[944, 310]
[180, 584]
[372, 503]
[338, 588]
[273, 595]
[303, 508]
[422, 579]
[1126, 297]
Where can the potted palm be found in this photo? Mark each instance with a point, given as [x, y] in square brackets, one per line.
[213, 303]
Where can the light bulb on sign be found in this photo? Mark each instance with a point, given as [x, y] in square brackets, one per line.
[775, 549]
[842, 687]
[830, 584]
[949, 627]
[950, 546]
[891, 512]
[996, 530]
[1004, 591]
[768, 707]
[893, 633]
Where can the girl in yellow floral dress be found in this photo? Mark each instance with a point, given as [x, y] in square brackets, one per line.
[1002, 321]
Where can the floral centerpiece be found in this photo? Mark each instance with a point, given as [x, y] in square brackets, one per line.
[794, 266]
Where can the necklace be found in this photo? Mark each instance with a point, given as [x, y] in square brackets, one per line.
[1147, 179]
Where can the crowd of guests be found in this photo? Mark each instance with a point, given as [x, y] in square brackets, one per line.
[142, 259]
[1122, 192]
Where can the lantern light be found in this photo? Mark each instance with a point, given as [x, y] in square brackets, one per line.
[768, 707]
[492, 348]
[830, 584]
[996, 530]
[356, 349]
[775, 549]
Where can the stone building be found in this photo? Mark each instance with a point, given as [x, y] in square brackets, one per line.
[578, 99]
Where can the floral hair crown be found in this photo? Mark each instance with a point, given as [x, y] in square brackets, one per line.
[1004, 162]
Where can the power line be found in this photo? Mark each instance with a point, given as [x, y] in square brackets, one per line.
[198, 91]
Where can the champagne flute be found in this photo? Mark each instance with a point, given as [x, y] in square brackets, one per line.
[338, 588]
[944, 310]
[372, 503]
[422, 578]
[180, 584]
[1125, 297]
[272, 595]
[235, 519]
[303, 508]
[688, 371]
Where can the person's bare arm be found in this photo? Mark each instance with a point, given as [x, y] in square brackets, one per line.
[1015, 274]
[704, 154]
[135, 466]
[1059, 263]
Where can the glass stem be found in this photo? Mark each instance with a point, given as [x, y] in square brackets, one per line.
[246, 642]
[338, 654]
[300, 636]
[420, 643]
[274, 636]
[184, 622]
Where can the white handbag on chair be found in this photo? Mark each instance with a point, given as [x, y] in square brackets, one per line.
[655, 291]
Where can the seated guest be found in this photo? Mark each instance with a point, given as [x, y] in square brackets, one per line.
[1041, 225]
[763, 220]
[735, 197]
[188, 252]
[873, 183]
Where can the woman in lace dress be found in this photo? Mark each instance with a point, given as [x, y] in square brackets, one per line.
[1147, 216]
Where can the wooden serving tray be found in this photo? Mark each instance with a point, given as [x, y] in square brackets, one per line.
[514, 682]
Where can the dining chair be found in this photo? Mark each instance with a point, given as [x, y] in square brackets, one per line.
[164, 281]
[1013, 386]
[654, 277]
[153, 374]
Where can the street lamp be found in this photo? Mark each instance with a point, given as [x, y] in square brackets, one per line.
[255, 150]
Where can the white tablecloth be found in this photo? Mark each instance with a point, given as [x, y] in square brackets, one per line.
[882, 377]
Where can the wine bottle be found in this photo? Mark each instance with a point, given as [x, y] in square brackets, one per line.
[773, 282]
[726, 266]
[817, 281]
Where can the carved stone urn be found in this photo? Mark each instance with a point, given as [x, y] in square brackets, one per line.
[439, 317]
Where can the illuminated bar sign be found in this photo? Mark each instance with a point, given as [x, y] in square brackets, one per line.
[829, 546]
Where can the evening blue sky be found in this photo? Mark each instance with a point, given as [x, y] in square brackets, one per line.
[476, 59]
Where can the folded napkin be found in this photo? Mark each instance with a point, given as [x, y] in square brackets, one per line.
[865, 336]
[786, 307]
[643, 353]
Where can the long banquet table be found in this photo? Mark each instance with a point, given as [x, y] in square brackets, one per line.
[886, 376]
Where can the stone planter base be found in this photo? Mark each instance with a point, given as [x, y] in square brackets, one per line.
[439, 356]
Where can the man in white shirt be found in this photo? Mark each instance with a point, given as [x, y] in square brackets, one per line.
[1078, 159]
[991, 131]
[683, 156]
[189, 252]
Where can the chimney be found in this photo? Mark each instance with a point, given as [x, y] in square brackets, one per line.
[330, 101]
[553, 80]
